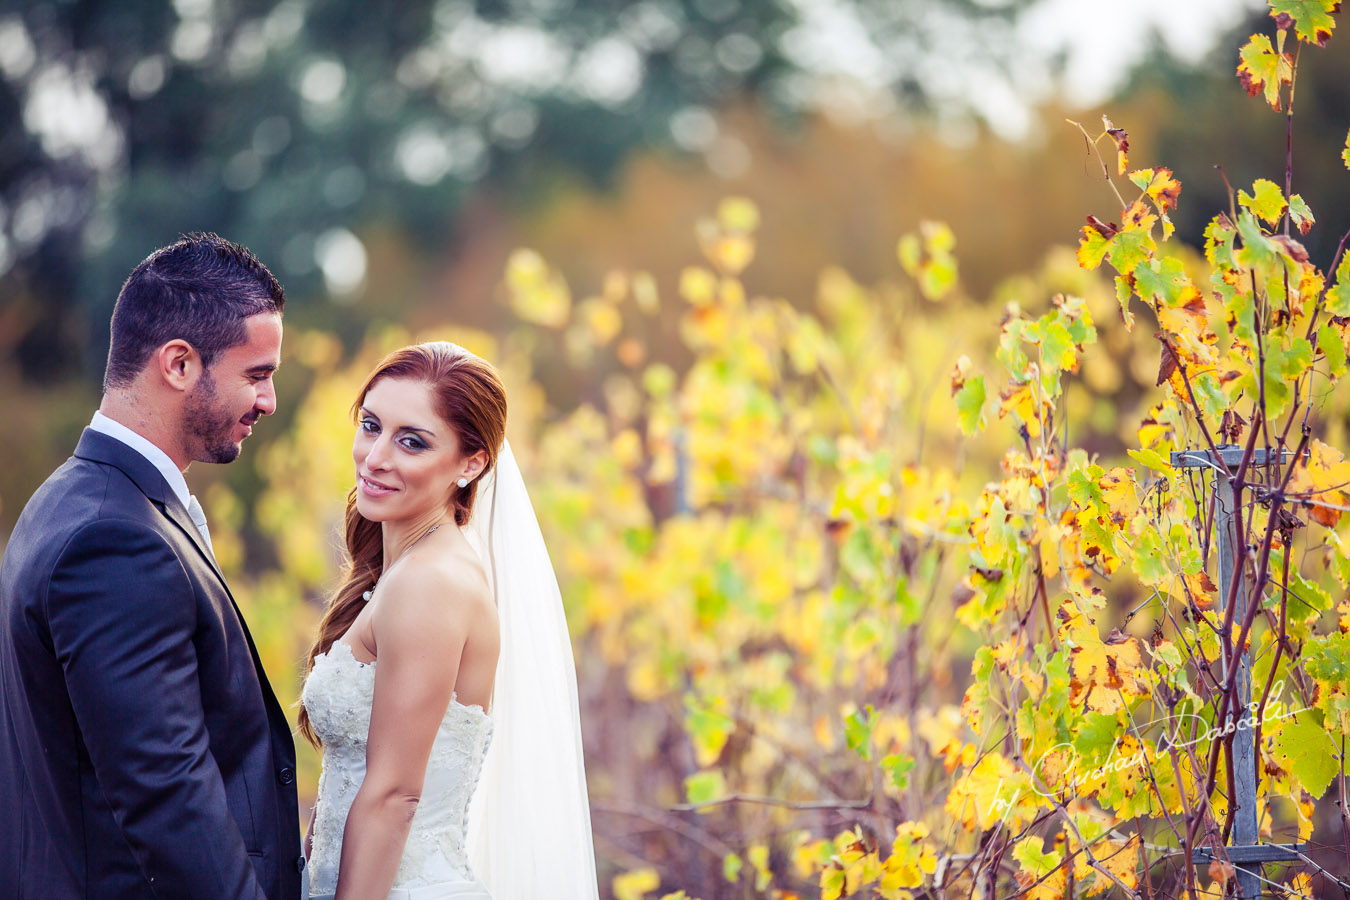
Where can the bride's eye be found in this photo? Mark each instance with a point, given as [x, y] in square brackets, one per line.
[413, 443]
[370, 426]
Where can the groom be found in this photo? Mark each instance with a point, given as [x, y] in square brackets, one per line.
[142, 752]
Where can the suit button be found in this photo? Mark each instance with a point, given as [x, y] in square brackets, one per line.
[300, 864]
[286, 775]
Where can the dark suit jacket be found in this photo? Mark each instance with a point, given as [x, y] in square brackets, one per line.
[142, 752]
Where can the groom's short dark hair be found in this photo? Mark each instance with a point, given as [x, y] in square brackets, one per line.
[199, 289]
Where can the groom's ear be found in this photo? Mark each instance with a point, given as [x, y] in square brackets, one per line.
[177, 364]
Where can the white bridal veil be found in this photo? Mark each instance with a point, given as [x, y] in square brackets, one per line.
[529, 821]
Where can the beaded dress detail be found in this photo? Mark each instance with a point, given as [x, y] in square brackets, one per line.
[338, 695]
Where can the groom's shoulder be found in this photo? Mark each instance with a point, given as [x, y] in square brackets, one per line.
[82, 490]
[79, 494]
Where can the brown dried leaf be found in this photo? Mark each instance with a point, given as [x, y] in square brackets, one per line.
[1105, 229]
[1122, 139]
[1221, 871]
[1292, 248]
[1168, 364]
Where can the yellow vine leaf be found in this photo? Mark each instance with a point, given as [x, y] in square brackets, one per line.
[1301, 885]
[1104, 671]
[738, 214]
[929, 258]
[1092, 247]
[636, 884]
[1019, 399]
[1199, 589]
[1160, 186]
[993, 791]
[698, 285]
[1118, 494]
[1264, 71]
[832, 882]
[536, 293]
[1122, 142]
[912, 857]
[731, 253]
[1320, 483]
[1121, 860]
[602, 319]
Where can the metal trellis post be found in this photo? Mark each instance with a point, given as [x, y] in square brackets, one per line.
[1244, 853]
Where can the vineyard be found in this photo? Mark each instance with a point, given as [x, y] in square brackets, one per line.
[884, 590]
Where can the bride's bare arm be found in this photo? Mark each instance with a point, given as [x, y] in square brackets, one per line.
[309, 832]
[420, 631]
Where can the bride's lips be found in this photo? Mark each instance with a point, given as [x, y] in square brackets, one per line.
[374, 488]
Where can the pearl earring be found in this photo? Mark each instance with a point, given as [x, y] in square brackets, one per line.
[463, 482]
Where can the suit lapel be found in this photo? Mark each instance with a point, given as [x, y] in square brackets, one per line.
[174, 511]
[100, 448]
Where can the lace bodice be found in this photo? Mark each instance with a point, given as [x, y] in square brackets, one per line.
[338, 695]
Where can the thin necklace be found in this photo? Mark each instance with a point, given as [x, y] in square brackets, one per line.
[367, 594]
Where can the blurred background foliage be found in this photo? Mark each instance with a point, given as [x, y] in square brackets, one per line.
[707, 395]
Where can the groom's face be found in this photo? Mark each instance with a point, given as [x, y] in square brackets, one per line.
[234, 393]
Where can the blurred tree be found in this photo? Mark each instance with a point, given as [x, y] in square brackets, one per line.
[289, 126]
[1191, 116]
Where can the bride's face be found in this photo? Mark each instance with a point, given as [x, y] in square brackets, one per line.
[407, 458]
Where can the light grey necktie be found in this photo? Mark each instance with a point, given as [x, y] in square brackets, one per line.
[198, 516]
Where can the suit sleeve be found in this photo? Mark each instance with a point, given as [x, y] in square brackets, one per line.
[122, 614]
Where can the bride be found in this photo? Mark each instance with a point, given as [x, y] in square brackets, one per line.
[441, 686]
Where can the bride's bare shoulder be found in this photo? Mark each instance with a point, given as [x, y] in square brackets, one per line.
[446, 587]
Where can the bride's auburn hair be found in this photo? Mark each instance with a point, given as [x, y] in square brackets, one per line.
[469, 397]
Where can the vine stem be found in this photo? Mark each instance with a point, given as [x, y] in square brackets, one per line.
[770, 801]
[1092, 860]
[1106, 171]
[1199, 415]
[1322, 295]
[1345, 814]
[1289, 142]
[1260, 713]
[662, 819]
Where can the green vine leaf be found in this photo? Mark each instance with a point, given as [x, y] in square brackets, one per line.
[1300, 213]
[1338, 297]
[1311, 18]
[1332, 345]
[970, 399]
[702, 787]
[1266, 201]
[1034, 859]
[1264, 71]
[1304, 748]
[858, 727]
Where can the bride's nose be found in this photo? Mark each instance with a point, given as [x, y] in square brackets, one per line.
[377, 455]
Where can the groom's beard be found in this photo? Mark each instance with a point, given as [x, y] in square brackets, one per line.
[209, 421]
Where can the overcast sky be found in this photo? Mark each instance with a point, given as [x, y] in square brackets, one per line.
[1104, 36]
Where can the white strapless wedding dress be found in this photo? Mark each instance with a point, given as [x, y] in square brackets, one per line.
[338, 695]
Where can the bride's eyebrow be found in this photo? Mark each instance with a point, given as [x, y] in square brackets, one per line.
[427, 431]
